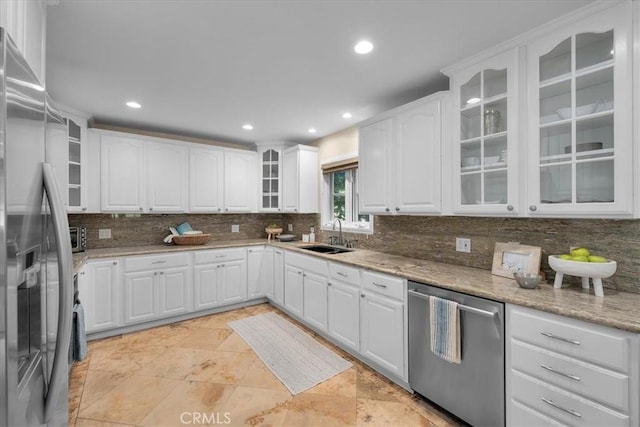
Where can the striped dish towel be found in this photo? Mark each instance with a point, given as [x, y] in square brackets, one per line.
[444, 318]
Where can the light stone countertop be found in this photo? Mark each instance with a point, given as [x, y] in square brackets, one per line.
[616, 309]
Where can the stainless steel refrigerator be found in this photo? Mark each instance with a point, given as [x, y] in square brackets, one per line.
[36, 272]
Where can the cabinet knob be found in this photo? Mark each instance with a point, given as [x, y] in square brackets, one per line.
[329, 284]
[82, 273]
[533, 208]
[397, 209]
[361, 295]
[509, 207]
[226, 209]
[150, 209]
[162, 272]
[219, 209]
[155, 273]
[386, 209]
[84, 208]
[115, 262]
[140, 209]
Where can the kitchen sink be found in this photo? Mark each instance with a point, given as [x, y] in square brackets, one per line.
[326, 249]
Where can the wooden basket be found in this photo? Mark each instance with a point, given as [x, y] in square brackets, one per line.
[191, 239]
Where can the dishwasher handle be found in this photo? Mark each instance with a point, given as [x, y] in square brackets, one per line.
[462, 307]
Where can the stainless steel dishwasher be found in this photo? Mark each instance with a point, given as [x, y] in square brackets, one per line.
[474, 389]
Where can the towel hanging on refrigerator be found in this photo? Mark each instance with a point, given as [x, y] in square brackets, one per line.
[79, 339]
[444, 324]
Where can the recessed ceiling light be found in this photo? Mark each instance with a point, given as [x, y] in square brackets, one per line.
[247, 126]
[473, 100]
[363, 47]
[133, 104]
[347, 115]
[312, 130]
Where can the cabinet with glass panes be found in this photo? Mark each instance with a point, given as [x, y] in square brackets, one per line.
[580, 123]
[270, 178]
[77, 181]
[485, 149]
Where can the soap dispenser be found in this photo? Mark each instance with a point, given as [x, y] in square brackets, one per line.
[312, 234]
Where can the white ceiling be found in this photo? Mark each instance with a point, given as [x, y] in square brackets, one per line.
[204, 68]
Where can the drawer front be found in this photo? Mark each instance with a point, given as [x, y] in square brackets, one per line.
[156, 262]
[593, 382]
[561, 405]
[523, 416]
[586, 341]
[386, 285]
[307, 263]
[219, 255]
[344, 273]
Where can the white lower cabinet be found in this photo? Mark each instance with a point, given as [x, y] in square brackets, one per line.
[315, 299]
[278, 277]
[293, 290]
[99, 288]
[565, 371]
[382, 331]
[259, 272]
[343, 321]
[156, 286]
[267, 271]
[220, 277]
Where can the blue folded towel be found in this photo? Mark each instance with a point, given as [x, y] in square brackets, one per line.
[182, 228]
[79, 338]
[444, 325]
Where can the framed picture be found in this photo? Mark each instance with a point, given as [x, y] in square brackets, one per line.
[509, 258]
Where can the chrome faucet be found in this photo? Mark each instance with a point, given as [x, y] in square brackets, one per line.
[341, 238]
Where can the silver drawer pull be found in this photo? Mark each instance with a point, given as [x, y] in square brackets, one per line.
[158, 262]
[340, 273]
[555, 337]
[221, 256]
[555, 371]
[380, 285]
[555, 405]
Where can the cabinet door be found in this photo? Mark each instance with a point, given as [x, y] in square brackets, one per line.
[206, 177]
[77, 177]
[256, 285]
[344, 314]
[121, 174]
[266, 272]
[417, 160]
[239, 181]
[140, 297]
[278, 277]
[382, 328]
[166, 177]
[580, 148]
[315, 300]
[205, 286]
[99, 291]
[374, 167]
[290, 178]
[173, 290]
[485, 159]
[234, 282]
[270, 180]
[293, 290]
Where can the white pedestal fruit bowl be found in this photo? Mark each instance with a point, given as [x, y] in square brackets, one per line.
[594, 270]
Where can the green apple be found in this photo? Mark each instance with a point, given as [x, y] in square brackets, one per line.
[564, 256]
[597, 258]
[580, 258]
[580, 252]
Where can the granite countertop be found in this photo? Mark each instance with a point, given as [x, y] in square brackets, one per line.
[616, 309]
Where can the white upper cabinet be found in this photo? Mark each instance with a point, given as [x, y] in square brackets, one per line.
[122, 180]
[166, 172]
[485, 154]
[25, 21]
[580, 118]
[206, 180]
[300, 179]
[270, 178]
[239, 181]
[400, 159]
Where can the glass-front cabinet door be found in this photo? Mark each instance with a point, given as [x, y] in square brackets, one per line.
[580, 126]
[271, 179]
[485, 137]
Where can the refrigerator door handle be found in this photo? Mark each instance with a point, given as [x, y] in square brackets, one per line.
[65, 280]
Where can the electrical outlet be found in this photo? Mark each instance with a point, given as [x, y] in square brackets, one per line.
[104, 233]
[290, 227]
[463, 244]
[235, 228]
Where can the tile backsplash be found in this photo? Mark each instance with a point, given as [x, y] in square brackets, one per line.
[431, 238]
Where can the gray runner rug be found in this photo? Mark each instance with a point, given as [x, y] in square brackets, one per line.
[299, 361]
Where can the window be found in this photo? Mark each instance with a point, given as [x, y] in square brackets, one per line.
[340, 199]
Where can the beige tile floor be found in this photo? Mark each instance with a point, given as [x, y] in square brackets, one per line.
[200, 372]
